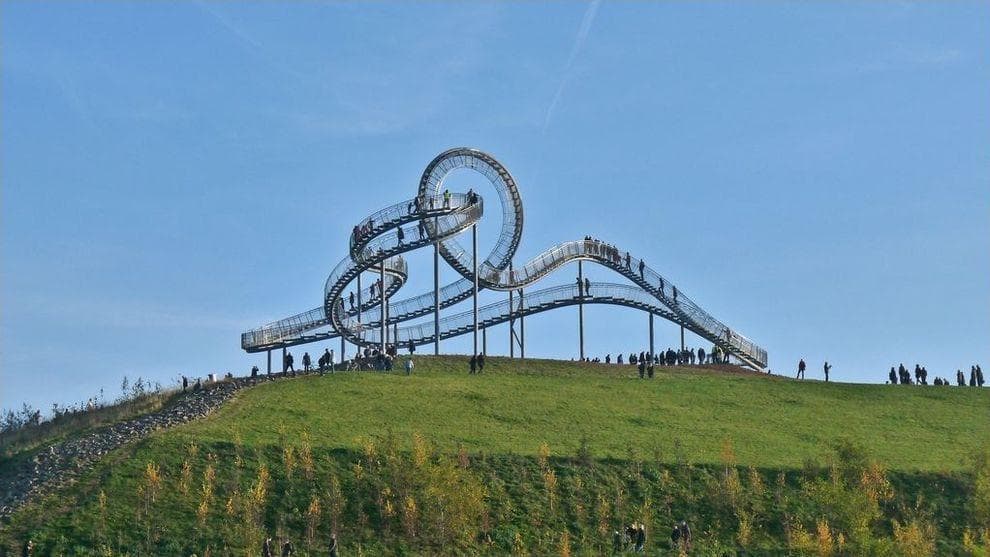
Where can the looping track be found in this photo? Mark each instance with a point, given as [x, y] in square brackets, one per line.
[428, 219]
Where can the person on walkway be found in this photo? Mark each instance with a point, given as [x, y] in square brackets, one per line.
[287, 549]
[266, 547]
[641, 267]
[801, 367]
[628, 261]
[307, 362]
[675, 293]
[826, 368]
[409, 366]
[580, 286]
[473, 363]
[400, 234]
[481, 362]
[332, 549]
[352, 300]
[446, 199]
[587, 287]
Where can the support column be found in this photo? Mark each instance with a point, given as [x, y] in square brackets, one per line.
[522, 326]
[359, 297]
[682, 337]
[381, 302]
[512, 320]
[283, 361]
[342, 346]
[474, 272]
[436, 292]
[580, 311]
[652, 353]
[269, 361]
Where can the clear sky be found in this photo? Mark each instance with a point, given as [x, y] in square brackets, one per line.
[815, 175]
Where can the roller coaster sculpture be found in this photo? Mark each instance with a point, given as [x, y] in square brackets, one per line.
[432, 219]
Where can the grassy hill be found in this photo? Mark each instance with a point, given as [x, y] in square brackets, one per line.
[543, 457]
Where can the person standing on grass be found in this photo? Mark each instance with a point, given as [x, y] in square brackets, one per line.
[473, 364]
[801, 368]
[640, 537]
[287, 549]
[307, 361]
[409, 366]
[332, 549]
[481, 362]
[266, 547]
[827, 368]
[185, 383]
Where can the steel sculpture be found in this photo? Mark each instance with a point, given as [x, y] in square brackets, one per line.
[434, 220]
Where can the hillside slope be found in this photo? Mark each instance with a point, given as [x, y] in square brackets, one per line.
[539, 457]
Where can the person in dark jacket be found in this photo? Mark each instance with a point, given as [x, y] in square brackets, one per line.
[473, 363]
[481, 362]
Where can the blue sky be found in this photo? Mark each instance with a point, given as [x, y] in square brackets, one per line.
[815, 175]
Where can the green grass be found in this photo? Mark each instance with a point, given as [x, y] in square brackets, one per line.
[686, 414]
[720, 449]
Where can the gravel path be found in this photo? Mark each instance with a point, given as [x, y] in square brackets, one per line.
[62, 463]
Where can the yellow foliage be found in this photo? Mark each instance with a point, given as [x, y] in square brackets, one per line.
[914, 539]
[745, 534]
[152, 480]
[550, 483]
[824, 538]
[185, 477]
[306, 457]
[543, 457]
[799, 539]
[259, 491]
[875, 483]
[565, 544]
[421, 450]
[518, 547]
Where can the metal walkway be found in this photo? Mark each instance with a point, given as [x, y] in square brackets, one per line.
[429, 220]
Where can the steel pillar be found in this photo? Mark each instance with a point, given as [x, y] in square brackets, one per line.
[359, 297]
[652, 353]
[484, 341]
[522, 326]
[436, 292]
[682, 337]
[580, 311]
[342, 346]
[269, 361]
[283, 361]
[474, 272]
[512, 320]
[381, 302]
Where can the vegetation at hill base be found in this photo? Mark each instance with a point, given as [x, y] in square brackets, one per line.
[543, 458]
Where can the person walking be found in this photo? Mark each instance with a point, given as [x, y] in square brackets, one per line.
[446, 199]
[266, 547]
[332, 549]
[473, 363]
[481, 362]
[827, 368]
[801, 368]
[307, 362]
[587, 287]
[409, 366]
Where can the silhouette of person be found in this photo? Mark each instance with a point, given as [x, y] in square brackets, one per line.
[827, 368]
[801, 368]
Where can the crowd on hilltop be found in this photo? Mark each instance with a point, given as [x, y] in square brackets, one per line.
[669, 357]
[902, 376]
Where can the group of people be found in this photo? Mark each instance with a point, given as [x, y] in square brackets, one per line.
[902, 376]
[269, 547]
[687, 356]
[476, 364]
[802, 367]
[633, 538]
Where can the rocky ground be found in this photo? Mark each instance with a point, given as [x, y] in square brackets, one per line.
[62, 463]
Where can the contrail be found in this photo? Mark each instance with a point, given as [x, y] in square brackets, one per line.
[589, 18]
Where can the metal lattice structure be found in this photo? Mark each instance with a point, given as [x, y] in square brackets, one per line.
[429, 219]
